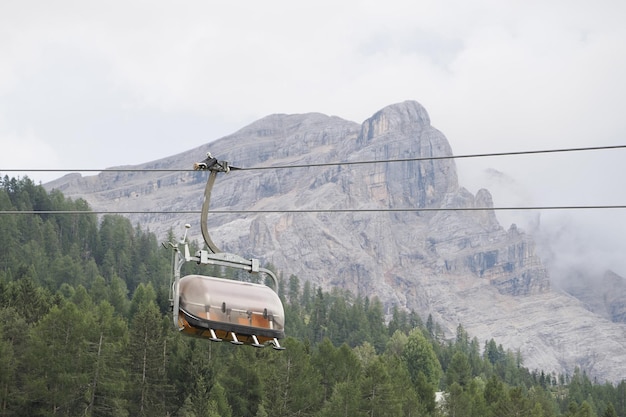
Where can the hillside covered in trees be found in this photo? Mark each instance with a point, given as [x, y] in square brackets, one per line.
[85, 330]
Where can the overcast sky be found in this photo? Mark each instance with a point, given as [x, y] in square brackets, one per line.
[87, 84]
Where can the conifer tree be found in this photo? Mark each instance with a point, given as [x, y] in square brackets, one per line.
[344, 401]
[292, 385]
[378, 396]
[242, 382]
[609, 411]
[147, 393]
[107, 347]
[13, 343]
[57, 363]
[420, 358]
[459, 370]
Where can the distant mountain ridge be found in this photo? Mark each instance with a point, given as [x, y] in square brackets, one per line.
[460, 266]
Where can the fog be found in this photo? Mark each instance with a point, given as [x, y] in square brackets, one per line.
[589, 241]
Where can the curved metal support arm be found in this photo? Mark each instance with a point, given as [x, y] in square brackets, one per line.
[205, 212]
[215, 166]
[215, 256]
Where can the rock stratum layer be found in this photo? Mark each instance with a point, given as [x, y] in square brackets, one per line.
[408, 241]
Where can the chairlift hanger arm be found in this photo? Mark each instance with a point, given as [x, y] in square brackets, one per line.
[215, 256]
[214, 166]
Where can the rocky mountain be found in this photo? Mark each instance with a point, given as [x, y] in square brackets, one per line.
[410, 240]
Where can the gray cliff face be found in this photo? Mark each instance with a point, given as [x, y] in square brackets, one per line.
[461, 266]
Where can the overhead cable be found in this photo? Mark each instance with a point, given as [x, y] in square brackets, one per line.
[325, 164]
[372, 210]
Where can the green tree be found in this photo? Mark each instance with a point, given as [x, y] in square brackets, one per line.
[620, 398]
[459, 370]
[339, 323]
[458, 402]
[243, 383]
[475, 361]
[307, 295]
[294, 290]
[147, 389]
[65, 269]
[585, 410]
[514, 403]
[57, 365]
[218, 396]
[366, 353]
[399, 321]
[344, 401]
[318, 321]
[426, 393]
[144, 294]
[396, 344]
[8, 367]
[462, 339]
[29, 300]
[493, 352]
[114, 248]
[187, 409]
[99, 290]
[13, 343]
[335, 365]
[376, 325]
[544, 402]
[118, 295]
[430, 326]
[420, 358]
[378, 395]
[260, 412]
[404, 388]
[478, 406]
[109, 378]
[609, 411]
[494, 390]
[289, 381]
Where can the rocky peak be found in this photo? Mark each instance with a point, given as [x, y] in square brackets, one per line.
[400, 132]
[408, 117]
[433, 256]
